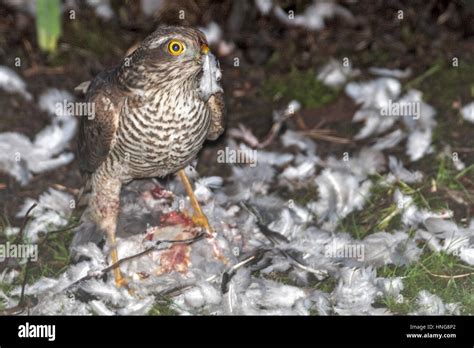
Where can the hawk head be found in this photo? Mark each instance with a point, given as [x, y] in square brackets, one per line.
[168, 56]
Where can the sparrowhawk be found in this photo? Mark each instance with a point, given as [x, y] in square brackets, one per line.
[152, 114]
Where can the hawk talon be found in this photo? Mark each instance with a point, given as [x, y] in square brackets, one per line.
[123, 282]
[202, 221]
[120, 280]
[198, 218]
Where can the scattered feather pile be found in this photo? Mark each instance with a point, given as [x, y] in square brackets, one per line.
[334, 74]
[429, 304]
[259, 236]
[21, 158]
[383, 107]
[11, 82]
[53, 209]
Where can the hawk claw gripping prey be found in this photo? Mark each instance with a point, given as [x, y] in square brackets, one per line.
[153, 113]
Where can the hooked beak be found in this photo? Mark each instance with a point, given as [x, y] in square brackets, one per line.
[204, 49]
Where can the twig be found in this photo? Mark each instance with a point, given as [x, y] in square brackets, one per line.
[67, 228]
[23, 225]
[323, 134]
[18, 309]
[21, 303]
[444, 276]
[19, 238]
[251, 140]
[100, 273]
[45, 70]
[464, 171]
[423, 76]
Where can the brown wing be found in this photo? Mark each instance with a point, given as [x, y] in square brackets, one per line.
[97, 131]
[217, 106]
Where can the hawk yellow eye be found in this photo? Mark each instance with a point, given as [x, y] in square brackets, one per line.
[175, 47]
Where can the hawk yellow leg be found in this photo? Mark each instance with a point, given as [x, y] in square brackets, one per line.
[198, 218]
[110, 225]
[119, 279]
[105, 207]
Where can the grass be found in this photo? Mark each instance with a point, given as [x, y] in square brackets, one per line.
[417, 277]
[380, 213]
[446, 187]
[443, 88]
[279, 277]
[53, 258]
[300, 195]
[434, 271]
[368, 57]
[364, 222]
[449, 177]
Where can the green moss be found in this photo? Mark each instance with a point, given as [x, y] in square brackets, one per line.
[442, 87]
[300, 195]
[87, 39]
[407, 34]
[162, 308]
[300, 85]
[327, 285]
[367, 57]
[274, 61]
[279, 277]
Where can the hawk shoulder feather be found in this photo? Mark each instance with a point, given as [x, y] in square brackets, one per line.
[97, 131]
